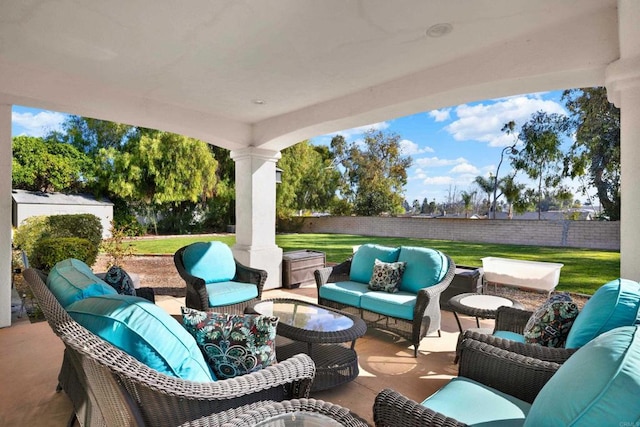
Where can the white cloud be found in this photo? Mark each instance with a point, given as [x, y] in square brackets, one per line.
[411, 148]
[435, 161]
[38, 124]
[465, 168]
[438, 180]
[483, 122]
[440, 115]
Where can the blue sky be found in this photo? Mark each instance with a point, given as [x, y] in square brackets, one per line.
[449, 146]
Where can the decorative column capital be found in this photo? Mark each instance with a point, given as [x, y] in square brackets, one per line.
[621, 75]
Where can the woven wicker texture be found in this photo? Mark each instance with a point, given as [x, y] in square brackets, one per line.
[337, 413]
[197, 296]
[109, 387]
[426, 313]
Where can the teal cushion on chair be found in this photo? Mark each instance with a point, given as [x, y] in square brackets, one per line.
[347, 292]
[211, 261]
[424, 267]
[227, 293]
[473, 403]
[399, 304]
[613, 305]
[72, 280]
[144, 331]
[365, 257]
[597, 386]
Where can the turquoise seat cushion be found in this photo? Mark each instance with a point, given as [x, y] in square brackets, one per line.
[72, 280]
[364, 258]
[226, 293]
[599, 385]
[347, 292]
[424, 267]
[211, 261]
[144, 331]
[400, 304]
[511, 336]
[614, 304]
[473, 403]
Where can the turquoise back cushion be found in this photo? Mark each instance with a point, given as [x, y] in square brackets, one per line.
[72, 280]
[425, 267]
[364, 258]
[211, 261]
[614, 304]
[144, 331]
[599, 385]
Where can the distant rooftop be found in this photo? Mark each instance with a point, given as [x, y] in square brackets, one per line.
[40, 198]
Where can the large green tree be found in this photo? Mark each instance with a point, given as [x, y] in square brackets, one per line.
[309, 180]
[596, 150]
[374, 172]
[46, 165]
[541, 156]
[165, 171]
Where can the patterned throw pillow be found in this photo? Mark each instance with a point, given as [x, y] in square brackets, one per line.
[120, 281]
[550, 324]
[233, 344]
[386, 276]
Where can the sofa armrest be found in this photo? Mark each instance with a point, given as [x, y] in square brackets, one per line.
[511, 319]
[336, 273]
[511, 373]
[549, 354]
[391, 408]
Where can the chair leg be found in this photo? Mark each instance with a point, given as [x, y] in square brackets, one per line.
[72, 419]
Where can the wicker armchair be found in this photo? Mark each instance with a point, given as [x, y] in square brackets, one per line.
[197, 296]
[514, 320]
[510, 373]
[426, 313]
[110, 388]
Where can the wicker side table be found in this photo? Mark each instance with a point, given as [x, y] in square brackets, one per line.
[479, 306]
[325, 334]
[298, 413]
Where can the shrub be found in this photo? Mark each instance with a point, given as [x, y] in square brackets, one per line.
[34, 229]
[49, 251]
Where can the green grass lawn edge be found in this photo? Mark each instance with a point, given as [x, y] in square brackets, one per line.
[584, 271]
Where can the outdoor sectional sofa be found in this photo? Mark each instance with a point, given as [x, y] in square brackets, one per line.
[173, 387]
[412, 312]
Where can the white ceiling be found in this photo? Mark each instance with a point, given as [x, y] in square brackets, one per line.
[196, 67]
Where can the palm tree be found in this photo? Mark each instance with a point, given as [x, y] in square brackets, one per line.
[486, 184]
[512, 191]
[467, 198]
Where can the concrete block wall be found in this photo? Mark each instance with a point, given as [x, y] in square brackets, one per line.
[578, 234]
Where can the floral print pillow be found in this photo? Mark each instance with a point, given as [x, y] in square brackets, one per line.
[386, 276]
[550, 324]
[120, 281]
[233, 344]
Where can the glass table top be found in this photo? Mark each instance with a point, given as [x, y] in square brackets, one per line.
[299, 419]
[302, 315]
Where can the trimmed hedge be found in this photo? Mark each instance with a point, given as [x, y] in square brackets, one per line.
[48, 252]
[34, 229]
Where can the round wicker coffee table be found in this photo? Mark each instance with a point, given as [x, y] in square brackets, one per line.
[321, 332]
[479, 306]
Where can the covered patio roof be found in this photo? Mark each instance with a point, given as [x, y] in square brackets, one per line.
[258, 76]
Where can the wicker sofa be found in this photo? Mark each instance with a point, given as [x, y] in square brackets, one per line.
[413, 312]
[108, 387]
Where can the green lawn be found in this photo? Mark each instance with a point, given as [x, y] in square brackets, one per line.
[584, 269]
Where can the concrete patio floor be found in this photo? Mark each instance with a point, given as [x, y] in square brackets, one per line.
[31, 356]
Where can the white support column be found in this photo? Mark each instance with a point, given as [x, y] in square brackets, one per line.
[256, 212]
[623, 89]
[5, 215]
